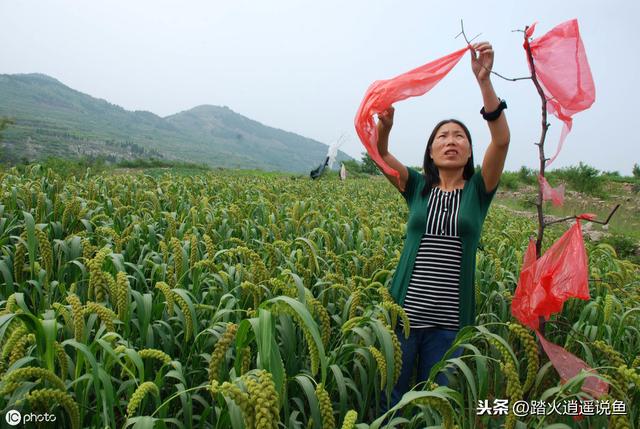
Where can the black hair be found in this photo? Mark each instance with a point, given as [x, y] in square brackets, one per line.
[431, 173]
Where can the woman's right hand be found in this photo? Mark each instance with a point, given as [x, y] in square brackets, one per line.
[385, 120]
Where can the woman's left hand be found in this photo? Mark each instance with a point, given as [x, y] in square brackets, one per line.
[481, 60]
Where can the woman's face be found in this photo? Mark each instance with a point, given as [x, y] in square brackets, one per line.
[450, 148]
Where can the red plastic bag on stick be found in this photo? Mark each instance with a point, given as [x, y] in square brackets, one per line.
[543, 287]
[545, 284]
[563, 71]
[383, 93]
[556, 195]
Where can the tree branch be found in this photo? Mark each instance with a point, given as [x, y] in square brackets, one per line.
[463, 34]
[586, 220]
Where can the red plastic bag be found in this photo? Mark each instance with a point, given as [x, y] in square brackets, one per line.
[529, 255]
[569, 365]
[563, 71]
[383, 93]
[556, 195]
[545, 284]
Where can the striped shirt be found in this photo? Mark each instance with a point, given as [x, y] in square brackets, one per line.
[433, 298]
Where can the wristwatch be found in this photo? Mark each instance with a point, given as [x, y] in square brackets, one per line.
[492, 116]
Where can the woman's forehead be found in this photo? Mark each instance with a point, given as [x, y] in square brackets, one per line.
[450, 127]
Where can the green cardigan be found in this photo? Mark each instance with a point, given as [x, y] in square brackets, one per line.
[474, 204]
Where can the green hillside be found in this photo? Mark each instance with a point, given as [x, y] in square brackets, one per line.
[51, 119]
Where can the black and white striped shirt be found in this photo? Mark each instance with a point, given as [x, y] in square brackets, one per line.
[433, 295]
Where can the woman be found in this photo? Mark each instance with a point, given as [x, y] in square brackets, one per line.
[434, 280]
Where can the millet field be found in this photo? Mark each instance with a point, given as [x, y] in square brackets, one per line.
[215, 300]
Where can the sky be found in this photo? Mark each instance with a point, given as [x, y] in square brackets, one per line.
[304, 66]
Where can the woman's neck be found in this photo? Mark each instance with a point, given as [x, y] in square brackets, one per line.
[451, 179]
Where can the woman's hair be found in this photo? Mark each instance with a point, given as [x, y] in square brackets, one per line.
[431, 173]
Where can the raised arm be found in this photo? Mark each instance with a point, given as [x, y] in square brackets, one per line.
[494, 157]
[385, 122]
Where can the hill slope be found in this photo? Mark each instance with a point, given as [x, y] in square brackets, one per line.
[51, 119]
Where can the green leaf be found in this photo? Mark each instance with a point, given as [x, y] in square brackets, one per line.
[30, 226]
[45, 333]
[314, 253]
[481, 368]
[270, 358]
[469, 376]
[309, 324]
[409, 397]
[312, 399]
[235, 414]
[143, 422]
[386, 347]
[183, 293]
[6, 274]
[342, 387]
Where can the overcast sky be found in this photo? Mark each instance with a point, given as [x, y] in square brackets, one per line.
[304, 66]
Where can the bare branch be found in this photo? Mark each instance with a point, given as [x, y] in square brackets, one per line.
[512, 79]
[608, 217]
[586, 220]
[463, 34]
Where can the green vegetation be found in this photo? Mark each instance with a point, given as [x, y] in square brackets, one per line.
[514, 180]
[583, 178]
[599, 194]
[245, 301]
[366, 166]
[81, 167]
[626, 247]
[510, 181]
[158, 163]
[4, 123]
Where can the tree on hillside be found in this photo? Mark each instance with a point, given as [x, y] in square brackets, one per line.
[365, 166]
[4, 123]
[368, 166]
[636, 171]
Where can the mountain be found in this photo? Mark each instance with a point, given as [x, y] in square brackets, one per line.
[51, 119]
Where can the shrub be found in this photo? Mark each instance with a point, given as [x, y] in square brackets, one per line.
[625, 246]
[368, 166]
[158, 163]
[78, 167]
[611, 173]
[582, 178]
[527, 175]
[365, 166]
[509, 180]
